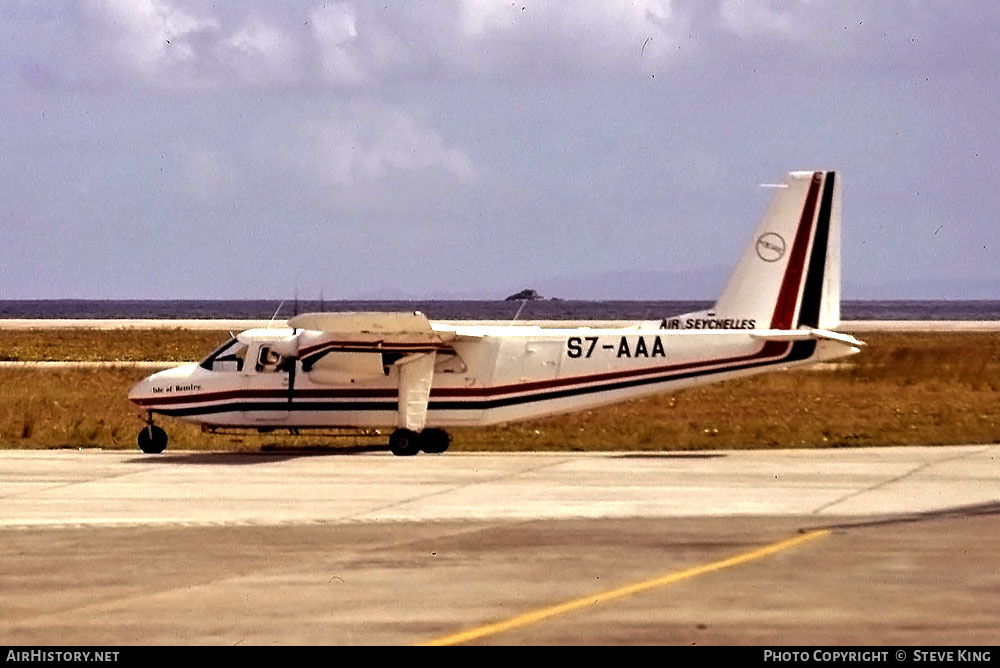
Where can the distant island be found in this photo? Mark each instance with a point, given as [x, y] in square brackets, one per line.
[524, 295]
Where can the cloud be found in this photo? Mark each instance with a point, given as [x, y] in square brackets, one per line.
[368, 140]
[854, 30]
[335, 31]
[761, 20]
[362, 42]
[153, 39]
[339, 46]
[184, 45]
[260, 54]
[576, 39]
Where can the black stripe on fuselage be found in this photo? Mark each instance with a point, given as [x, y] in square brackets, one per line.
[800, 350]
[812, 295]
[798, 353]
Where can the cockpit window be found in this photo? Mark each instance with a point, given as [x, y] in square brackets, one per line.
[227, 357]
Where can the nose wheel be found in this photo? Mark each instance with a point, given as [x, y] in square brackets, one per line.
[152, 439]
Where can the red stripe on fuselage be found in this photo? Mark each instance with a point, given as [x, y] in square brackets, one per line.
[791, 284]
[769, 349]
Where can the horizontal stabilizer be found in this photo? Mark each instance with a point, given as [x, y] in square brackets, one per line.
[805, 335]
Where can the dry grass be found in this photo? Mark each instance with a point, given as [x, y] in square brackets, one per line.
[904, 388]
[120, 345]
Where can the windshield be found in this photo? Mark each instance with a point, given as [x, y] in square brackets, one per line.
[227, 357]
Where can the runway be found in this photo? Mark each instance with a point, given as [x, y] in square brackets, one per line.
[108, 488]
[223, 548]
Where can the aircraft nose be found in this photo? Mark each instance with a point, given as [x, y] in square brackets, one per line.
[151, 390]
[141, 390]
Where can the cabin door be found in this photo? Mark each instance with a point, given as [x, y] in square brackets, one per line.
[267, 376]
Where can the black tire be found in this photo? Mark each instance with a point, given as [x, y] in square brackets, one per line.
[152, 440]
[404, 443]
[434, 441]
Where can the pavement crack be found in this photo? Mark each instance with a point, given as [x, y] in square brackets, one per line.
[890, 481]
[54, 486]
[452, 488]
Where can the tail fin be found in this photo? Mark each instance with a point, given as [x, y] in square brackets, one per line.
[789, 274]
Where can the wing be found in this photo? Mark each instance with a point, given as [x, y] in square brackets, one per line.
[339, 346]
[368, 332]
[362, 323]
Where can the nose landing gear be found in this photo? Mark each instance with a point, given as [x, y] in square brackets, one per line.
[152, 439]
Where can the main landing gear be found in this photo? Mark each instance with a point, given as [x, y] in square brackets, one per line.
[406, 442]
[152, 440]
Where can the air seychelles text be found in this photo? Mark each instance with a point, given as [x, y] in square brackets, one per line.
[709, 323]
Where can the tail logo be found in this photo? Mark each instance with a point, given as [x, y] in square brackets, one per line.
[770, 247]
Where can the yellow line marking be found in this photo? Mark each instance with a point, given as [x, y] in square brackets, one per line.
[621, 592]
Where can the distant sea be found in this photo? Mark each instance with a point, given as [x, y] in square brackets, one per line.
[468, 310]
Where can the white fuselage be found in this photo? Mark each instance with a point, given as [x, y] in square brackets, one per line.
[488, 374]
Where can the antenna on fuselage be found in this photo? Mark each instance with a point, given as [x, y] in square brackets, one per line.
[276, 311]
[519, 308]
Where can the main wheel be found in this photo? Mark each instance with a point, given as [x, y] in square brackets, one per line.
[404, 442]
[152, 440]
[434, 441]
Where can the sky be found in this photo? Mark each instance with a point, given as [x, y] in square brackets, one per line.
[165, 149]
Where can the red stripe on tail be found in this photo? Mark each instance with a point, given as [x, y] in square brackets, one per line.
[784, 308]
